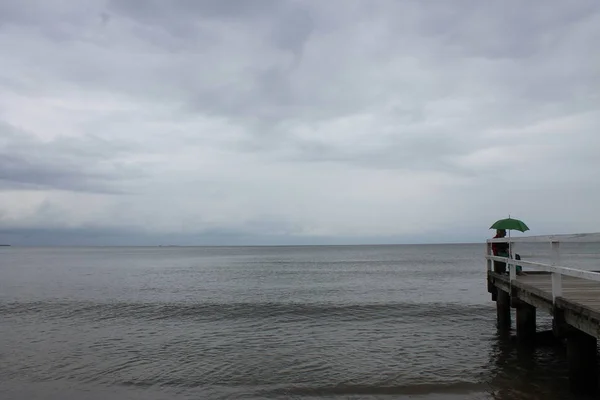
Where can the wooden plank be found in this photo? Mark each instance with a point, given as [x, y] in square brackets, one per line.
[534, 300]
[581, 317]
[582, 300]
[534, 291]
[583, 296]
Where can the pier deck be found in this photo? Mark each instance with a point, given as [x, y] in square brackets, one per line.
[571, 296]
[580, 300]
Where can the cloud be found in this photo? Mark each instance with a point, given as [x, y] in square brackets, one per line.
[87, 164]
[298, 119]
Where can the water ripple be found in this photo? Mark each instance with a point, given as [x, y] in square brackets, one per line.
[215, 311]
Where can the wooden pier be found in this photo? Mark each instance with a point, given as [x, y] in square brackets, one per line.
[571, 296]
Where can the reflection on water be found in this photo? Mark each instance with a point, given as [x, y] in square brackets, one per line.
[520, 372]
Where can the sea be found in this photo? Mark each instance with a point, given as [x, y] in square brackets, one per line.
[305, 322]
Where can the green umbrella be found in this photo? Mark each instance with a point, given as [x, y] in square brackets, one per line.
[510, 224]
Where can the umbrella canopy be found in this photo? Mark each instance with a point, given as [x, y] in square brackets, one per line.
[510, 224]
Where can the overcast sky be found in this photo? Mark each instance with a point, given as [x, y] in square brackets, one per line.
[275, 121]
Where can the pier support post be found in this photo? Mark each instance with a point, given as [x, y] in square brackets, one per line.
[525, 324]
[582, 359]
[559, 326]
[503, 310]
[492, 288]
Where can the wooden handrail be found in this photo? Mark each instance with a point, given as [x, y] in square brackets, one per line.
[576, 273]
[566, 238]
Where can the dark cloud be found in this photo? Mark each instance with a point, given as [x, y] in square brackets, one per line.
[187, 20]
[156, 10]
[87, 164]
[293, 29]
[18, 172]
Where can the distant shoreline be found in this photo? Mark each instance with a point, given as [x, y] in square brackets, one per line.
[241, 246]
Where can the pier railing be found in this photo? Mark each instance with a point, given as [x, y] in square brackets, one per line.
[556, 270]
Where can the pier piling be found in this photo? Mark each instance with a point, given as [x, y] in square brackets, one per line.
[582, 359]
[526, 324]
[503, 310]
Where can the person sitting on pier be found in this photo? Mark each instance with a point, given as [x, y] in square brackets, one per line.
[500, 250]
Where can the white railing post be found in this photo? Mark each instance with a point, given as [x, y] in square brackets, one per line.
[512, 269]
[556, 276]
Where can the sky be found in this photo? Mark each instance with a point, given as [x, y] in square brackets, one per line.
[296, 122]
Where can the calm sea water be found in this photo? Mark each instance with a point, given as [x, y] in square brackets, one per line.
[357, 322]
